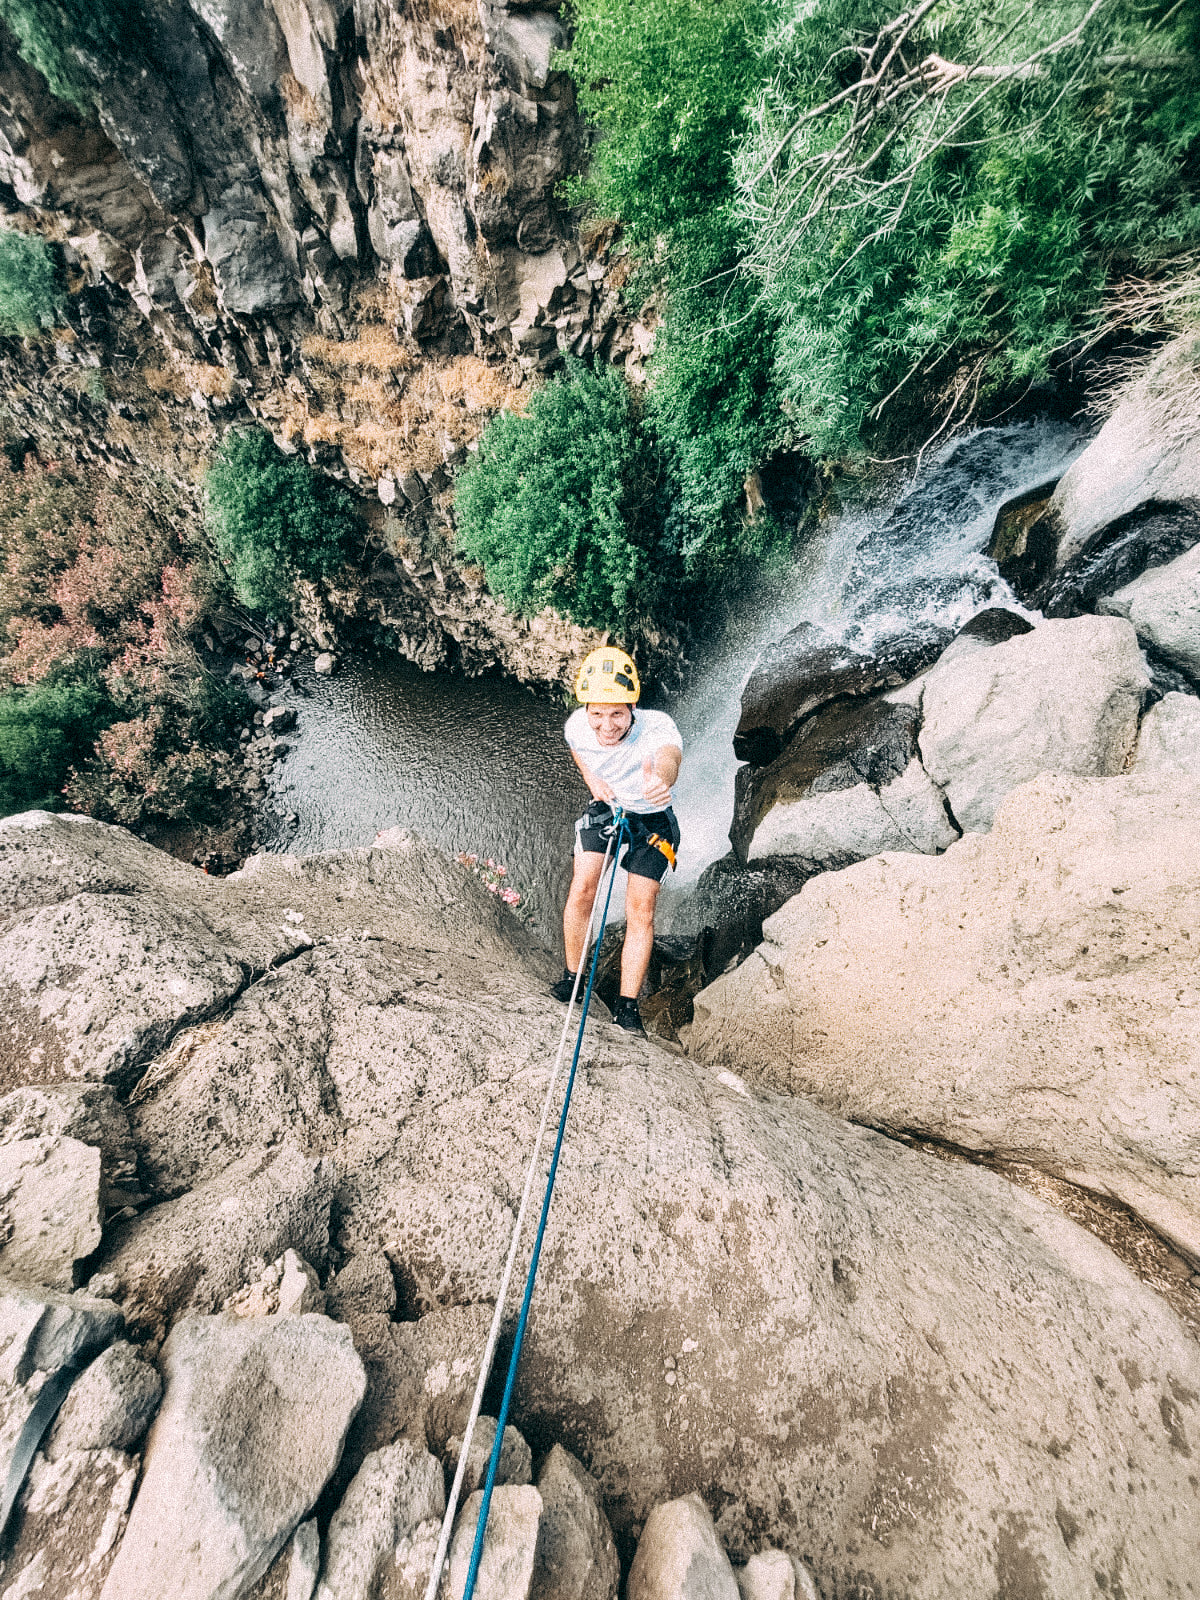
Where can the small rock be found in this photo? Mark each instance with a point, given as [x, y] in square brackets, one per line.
[394, 1491]
[1169, 738]
[279, 718]
[104, 1286]
[299, 1287]
[679, 1556]
[89, 1112]
[323, 663]
[773, 1575]
[305, 1564]
[251, 1427]
[576, 1557]
[509, 1545]
[50, 1199]
[42, 1329]
[365, 1283]
[109, 1406]
[516, 1458]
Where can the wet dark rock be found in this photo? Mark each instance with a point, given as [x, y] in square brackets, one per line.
[841, 745]
[1151, 536]
[809, 667]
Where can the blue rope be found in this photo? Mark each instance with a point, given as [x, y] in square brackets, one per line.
[494, 1461]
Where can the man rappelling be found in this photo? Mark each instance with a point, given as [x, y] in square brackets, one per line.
[629, 758]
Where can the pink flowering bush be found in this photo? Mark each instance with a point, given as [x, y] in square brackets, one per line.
[494, 879]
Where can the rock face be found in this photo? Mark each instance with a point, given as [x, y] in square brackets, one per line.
[1064, 698]
[340, 223]
[964, 997]
[1164, 607]
[739, 1295]
[251, 1427]
[1134, 459]
[156, 943]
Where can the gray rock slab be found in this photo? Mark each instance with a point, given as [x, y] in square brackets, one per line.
[1064, 698]
[1169, 737]
[963, 998]
[49, 1208]
[44, 1329]
[109, 1406]
[392, 1494]
[834, 828]
[576, 1556]
[679, 1556]
[191, 1253]
[68, 1524]
[509, 1545]
[250, 1429]
[100, 964]
[1164, 608]
[89, 1112]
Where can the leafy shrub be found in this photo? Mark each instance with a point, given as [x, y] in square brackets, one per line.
[44, 732]
[273, 519]
[557, 504]
[1076, 161]
[31, 292]
[961, 267]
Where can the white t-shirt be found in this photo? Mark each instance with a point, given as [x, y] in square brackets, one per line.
[620, 765]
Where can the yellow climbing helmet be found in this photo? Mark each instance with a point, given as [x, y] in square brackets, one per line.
[608, 677]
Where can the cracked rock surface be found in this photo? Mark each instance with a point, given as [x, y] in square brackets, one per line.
[739, 1294]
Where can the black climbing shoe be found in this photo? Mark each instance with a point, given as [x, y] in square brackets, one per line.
[626, 1015]
[565, 987]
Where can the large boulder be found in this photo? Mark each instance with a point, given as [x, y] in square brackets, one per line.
[190, 1254]
[1064, 698]
[1169, 737]
[251, 1428]
[1032, 993]
[1164, 607]
[739, 1295]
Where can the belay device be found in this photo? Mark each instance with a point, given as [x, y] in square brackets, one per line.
[620, 834]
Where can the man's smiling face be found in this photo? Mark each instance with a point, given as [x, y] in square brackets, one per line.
[610, 724]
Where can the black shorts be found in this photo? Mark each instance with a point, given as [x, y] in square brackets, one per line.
[641, 858]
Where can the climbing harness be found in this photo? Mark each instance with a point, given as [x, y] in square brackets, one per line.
[620, 832]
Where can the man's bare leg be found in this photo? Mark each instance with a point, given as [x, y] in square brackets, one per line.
[640, 897]
[585, 881]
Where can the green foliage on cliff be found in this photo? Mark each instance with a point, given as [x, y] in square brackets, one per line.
[858, 216]
[44, 732]
[556, 504]
[31, 291]
[73, 43]
[273, 519]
